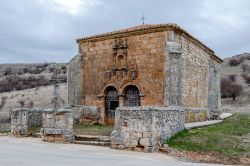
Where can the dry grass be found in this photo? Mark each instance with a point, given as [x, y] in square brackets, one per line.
[230, 139]
[89, 129]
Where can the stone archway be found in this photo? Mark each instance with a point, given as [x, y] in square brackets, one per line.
[111, 103]
[131, 96]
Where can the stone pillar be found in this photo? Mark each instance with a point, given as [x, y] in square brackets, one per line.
[75, 80]
[101, 105]
[22, 119]
[57, 126]
[121, 100]
[214, 93]
[173, 72]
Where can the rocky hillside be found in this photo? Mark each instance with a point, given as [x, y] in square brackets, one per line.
[40, 97]
[39, 68]
[25, 76]
[238, 68]
[30, 85]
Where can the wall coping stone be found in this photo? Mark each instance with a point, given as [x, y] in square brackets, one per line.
[159, 108]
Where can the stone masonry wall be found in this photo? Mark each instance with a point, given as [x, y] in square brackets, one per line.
[86, 114]
[144, 53]
[5, 123]
[22, 119]
[145, 128]
[57, 126]
[75, 80]
[62, 119]
[195, 75]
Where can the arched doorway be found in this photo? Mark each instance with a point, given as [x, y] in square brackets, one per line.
[132, 96]
[111, 103]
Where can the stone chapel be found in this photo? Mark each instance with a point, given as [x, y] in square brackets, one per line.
[147, 65]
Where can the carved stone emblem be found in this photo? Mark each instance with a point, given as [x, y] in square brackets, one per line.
[120, 43]
[119, 75]
[107, 75]
[133, 74]
[121, 70]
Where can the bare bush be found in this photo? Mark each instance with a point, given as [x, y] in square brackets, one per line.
[247, 79]
[3, 101]
[22, 103]
[61, 77]
[232, 78]
[30, 104]
[245, 68]
[8, 71]
[243, 75]
[235, 90]
[230, 89]
[225, 87]
[14, 82]
[234, 62]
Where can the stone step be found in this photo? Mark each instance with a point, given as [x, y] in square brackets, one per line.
[92, 138]
[94, 143]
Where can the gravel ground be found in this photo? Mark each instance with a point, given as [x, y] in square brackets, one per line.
[31, 151]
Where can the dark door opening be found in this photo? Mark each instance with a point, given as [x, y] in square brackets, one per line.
[111, 103]
[132, 96]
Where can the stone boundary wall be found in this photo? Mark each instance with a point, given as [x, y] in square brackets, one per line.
[22, 119]
[197, 114]
[201, 114]
[57, 126]
[86, 114]
[5, 123]
[146, 128]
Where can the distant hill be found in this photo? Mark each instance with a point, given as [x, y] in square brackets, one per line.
[238, 65]
[29, 85]
[36, 68]
[40, 97]
[25, 76]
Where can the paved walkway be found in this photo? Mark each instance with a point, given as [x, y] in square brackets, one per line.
[33, 152]
[201, 124]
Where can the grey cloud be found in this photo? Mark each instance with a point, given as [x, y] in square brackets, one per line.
[39, 31]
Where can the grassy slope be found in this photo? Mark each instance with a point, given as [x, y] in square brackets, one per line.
[229, 139]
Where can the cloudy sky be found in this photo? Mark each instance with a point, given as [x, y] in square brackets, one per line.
[46, 30]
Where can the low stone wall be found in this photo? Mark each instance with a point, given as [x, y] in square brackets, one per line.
[145, 128]
[86, 114]
[57, 126]
[201, 114]
[22, 119]
[5, 123]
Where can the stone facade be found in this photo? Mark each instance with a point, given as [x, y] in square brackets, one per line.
[146, 128]
[22, 119]
[57, 126]
[167, 66]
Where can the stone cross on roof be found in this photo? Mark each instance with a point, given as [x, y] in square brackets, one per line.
[143, 19]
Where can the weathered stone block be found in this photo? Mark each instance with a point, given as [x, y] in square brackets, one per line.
[145, 142]
[59, 125]
[24, 118]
